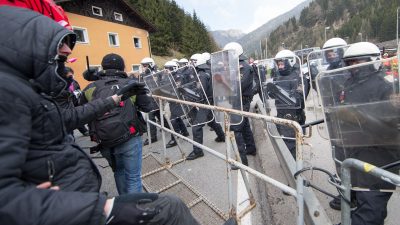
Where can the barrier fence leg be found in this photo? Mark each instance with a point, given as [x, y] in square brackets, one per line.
[176, 139]
[166, 158]
[299, 181]
[148, 128]
[232, 208]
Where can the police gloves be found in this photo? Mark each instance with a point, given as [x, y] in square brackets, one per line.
[129, 209]
[132, 89]
[91, 74]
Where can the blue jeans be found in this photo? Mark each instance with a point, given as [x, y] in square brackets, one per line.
[126, 161]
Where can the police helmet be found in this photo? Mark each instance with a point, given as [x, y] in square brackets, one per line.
[288, 58]
[234, 46]
[148, 61]
[183, 62]
[197, 59]
[334, 42]
[363, 51]
[171, 65]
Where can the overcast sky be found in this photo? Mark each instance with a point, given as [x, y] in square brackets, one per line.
[245, 15]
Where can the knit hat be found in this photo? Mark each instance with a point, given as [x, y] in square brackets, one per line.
[113, 61]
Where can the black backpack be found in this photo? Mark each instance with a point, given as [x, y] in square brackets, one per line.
[121, 123]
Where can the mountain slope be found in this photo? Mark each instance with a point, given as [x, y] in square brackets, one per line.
[351, 20]
[251, 41]
[223, 37]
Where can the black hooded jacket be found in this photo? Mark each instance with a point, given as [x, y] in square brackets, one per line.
[32, 131]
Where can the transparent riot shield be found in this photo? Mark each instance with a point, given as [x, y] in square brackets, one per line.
[320, 61]
[162, 84]
[151, 83]
[362, 112]
[189, 87]
[284, 94]
[226, 84]
[176, 109]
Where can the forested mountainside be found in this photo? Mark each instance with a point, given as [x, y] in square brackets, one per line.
[352, 20]
[176, 29]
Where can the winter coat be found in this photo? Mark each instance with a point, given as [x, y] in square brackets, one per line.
[33, 147]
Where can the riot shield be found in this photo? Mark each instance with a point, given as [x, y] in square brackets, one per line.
[150, 82]
[189, 87]
[361, 109]
[226, 84]
[162, 84]
[287, 90]
[320, 61]
[284, 95]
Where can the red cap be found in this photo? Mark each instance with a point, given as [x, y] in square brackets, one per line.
[45, 7]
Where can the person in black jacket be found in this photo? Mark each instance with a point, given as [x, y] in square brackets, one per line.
[243, 134]
[363, 118]
[201, 116]
[150, 68]
[122, 147]
[289, 80]
[175, 109]
[33, 146]
[69, 98]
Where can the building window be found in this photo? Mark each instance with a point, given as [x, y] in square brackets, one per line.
[113, 39]
[81, 35]
[118, 17]
[97, 11]
[137, 42]
[135, 68]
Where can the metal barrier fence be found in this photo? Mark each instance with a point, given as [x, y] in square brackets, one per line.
[230, 146]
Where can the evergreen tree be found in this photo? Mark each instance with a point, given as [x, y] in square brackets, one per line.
[176, 30]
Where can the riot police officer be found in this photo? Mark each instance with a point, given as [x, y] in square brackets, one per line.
[183, 62]
[365, 96]
[290, 80]
[202, 115]
[149, 67]
[243, 134]
[175, 109]
[333, 53]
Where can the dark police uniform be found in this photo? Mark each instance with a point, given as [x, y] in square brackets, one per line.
[243, 134]
[296, 113]
[371, 205]
[177, 111]
[204, 114]
[153, 114]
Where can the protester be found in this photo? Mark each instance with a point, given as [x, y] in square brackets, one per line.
[33, 146]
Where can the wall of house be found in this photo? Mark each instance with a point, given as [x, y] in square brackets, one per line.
[98, 44]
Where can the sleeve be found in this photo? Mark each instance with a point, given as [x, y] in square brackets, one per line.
[80, 115]
[21, 203]
[247, 79]
[144, 103]
[256, 78]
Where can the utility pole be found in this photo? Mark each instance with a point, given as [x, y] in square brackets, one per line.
[397, 26]
[326, 28]
[266, 47]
